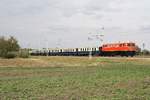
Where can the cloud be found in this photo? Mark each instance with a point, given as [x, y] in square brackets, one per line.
[71, 21]
[145, 29]
[19, 7]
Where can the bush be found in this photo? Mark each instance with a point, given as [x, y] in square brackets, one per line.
[10, 55]
[24, 54]
[146, 52]
[8, 47]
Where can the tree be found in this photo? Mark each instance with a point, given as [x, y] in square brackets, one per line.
[146, 52]
[8, 47]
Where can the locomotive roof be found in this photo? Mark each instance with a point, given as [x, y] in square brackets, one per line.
[117, 43]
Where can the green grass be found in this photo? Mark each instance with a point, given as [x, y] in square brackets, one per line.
[112, 79]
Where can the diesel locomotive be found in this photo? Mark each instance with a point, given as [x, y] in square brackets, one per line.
[122, 49]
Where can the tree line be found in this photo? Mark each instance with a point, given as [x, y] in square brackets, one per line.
[10, 48]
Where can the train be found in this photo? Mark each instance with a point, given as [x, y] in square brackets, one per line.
[108, 49]
[122, 49]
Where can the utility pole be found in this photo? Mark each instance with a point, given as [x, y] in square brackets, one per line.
[47, 50]
[90, 51]
[143, 45]
[46, 43]
[96, 36]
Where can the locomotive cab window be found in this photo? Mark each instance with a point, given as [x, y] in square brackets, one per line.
[129, 44]
[120, 45]
[133, 44]
[124, 44]
[104, 45]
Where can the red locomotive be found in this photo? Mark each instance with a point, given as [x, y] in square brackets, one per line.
[122, 49]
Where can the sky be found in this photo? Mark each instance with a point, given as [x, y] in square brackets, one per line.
[75, 23]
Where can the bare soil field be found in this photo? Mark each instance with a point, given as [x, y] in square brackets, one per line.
[66, 61]
[75, 78]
